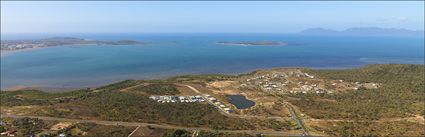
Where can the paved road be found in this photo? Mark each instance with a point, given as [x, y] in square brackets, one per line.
[235, 115]
[135, 124]
[299, 120]
[416, 119]
[288, 105]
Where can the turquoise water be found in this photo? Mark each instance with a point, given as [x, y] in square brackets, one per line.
[167, 55]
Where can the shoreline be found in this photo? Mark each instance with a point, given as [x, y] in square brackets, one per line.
[254, 44]
[10, 52]
[69, 88]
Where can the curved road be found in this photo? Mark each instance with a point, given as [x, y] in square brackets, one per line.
[288, 105]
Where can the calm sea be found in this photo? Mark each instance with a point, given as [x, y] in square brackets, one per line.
[167, 55]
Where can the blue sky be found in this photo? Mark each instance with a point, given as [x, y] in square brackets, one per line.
[218, 16]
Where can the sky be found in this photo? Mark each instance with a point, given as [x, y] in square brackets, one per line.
[212, 16]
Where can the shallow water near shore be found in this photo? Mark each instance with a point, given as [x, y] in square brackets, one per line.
[167, 55]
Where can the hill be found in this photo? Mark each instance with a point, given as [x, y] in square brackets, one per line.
[364, 31]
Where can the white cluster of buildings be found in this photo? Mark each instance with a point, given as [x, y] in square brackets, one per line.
[218, 104]
[190, 99]
[177, 99]
[12, 46]
[281, 82]
[306, 89]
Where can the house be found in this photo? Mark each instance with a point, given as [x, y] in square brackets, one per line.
[154, 97]
[62, 135]
[228, 110]
[222, 106]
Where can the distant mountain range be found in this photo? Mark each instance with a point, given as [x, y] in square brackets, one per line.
[367, 31]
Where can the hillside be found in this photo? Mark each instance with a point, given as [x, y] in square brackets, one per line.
[364, 31]
[393, 108]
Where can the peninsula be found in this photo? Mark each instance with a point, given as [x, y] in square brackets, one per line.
[9, 45]
[258, 43]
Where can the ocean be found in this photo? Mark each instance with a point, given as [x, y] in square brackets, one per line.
[166, 55]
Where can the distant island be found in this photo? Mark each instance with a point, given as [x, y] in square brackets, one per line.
[9, 45]
[258, 43]
[364, 31]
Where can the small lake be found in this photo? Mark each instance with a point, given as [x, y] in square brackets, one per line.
[241, 102]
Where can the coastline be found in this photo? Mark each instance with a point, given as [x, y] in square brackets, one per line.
[10, 52]
[253, 44]
[68, 88]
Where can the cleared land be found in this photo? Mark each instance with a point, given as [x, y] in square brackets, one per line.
[377, 100]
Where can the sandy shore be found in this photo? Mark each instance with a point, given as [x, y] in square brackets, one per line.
[10, 52]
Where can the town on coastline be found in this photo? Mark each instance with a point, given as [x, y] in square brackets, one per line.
[274, 102]
[10, 45]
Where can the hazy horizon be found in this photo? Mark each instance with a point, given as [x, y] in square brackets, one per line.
[205, 17]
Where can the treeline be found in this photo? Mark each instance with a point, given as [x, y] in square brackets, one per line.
[133, 107]
[23, 126]
[201, 78]
[35, 97]
[136, 107]
[370, 129]
[94, 130]
[158, 89]
[401, 93]
[128, 106]
[119, 85]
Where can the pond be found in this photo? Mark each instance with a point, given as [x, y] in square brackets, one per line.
[241, 102]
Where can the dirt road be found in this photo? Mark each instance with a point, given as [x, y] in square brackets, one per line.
[136, 124]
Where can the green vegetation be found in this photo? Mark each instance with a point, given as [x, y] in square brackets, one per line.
[29, 126]
[119, 85]
[401, 94]
[129, 106]
[94, 130]
[23, 126]
[34, 126]
[2, 129]
[395, 129]
[34, 97]
[136, 107]
[201, 78]
[158, 89]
